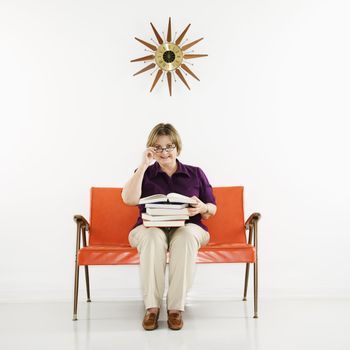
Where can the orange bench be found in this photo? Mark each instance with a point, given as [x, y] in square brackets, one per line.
[111, 221]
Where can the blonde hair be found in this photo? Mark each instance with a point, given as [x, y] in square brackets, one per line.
[168, 130]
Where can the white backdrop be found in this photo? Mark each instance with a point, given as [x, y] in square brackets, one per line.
[271, 112]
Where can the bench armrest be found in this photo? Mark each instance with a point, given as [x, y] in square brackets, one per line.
[252, 218]
[80, 219]
[252, 225]
[82, 227]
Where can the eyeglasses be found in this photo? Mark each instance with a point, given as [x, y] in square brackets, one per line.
[168, 148]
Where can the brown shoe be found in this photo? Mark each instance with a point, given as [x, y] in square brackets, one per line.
[175, 320]
[150, 321]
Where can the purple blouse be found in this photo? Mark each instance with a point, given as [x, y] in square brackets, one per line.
[187, 180]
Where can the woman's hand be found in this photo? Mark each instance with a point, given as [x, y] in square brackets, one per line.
[148, 157]
[198, 208]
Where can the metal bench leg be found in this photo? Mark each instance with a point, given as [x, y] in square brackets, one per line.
[87, 283]
[246, 281]
[76, 288]
[256, 270]
[256, 289]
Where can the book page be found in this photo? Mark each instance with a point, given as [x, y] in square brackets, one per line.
[154, 198]
[176, 197]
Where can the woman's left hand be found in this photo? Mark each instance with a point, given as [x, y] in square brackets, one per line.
[198, 208]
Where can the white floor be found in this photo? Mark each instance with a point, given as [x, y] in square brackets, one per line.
[215, 325]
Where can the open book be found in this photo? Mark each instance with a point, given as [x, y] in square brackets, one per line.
[170, 197]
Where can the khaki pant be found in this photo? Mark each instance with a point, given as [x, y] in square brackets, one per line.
[152, 244]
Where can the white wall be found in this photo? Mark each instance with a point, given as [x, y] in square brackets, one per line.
[271, 113]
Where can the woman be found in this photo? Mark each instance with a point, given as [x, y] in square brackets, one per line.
[166, 175]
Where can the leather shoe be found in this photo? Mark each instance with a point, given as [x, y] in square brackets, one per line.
[150, 320]
[175, 320]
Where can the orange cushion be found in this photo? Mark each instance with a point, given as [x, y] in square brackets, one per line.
[113, 255]
[107, 255]
[110, 219]
[227, 253]
[227, 225]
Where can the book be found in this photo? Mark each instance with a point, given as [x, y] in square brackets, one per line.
[170, 197]
[166, 206]
[160, 211]
[176, 223]
[164, 217]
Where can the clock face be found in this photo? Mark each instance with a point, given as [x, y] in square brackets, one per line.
[168, 57]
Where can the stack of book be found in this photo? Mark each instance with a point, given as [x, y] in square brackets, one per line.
[166, 210]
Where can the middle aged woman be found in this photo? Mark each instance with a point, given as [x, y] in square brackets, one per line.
[167, 174]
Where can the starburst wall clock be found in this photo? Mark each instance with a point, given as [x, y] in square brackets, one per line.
[169, 57]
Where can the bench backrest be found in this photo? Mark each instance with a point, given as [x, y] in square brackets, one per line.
[111, 220]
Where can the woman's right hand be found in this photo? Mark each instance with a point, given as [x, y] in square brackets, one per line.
[148, 156]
